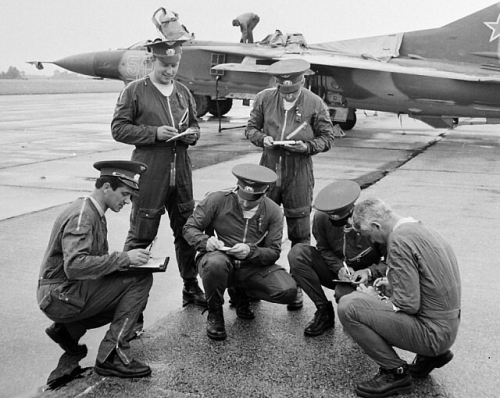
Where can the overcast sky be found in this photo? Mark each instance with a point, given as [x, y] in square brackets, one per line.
[48, 30]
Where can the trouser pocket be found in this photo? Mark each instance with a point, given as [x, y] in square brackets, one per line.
[63, 301]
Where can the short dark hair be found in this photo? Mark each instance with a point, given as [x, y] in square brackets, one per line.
[114, 182]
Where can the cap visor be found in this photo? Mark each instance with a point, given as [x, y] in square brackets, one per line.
[248, 196]
[290, 89]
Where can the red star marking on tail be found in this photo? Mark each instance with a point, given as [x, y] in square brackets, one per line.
[495, 27]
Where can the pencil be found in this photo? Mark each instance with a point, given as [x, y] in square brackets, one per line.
[347, 269]
[183, 118]
[296, 131]
[152, 244]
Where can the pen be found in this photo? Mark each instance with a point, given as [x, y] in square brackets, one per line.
[296, 131]
[347, 269]
[183, 118]
[152, 244]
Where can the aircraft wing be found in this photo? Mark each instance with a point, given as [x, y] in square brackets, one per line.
[407, 66]
[378, 53]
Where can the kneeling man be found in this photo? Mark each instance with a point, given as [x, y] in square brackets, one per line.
[415, 308]
[82, 286]
[238, 234]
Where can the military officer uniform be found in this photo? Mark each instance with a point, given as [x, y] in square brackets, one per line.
[274, 118]
[82, 286]
[336, 243]
[238, 234]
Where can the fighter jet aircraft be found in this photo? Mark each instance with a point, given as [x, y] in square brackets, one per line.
[437, 75]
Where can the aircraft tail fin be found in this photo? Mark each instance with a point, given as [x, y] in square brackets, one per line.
[474, 38]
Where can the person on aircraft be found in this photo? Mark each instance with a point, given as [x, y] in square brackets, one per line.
[247, 23]
[278, 115]
[340, 253]
[157, 115]
[237, 234]
[82, 286]
[416, 307]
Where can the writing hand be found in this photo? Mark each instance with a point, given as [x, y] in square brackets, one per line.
[164, 133]
[138, 256]
[344, 275]
[214, 244]
[191, 137]
[383, 286]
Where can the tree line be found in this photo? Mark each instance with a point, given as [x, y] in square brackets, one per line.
[12, 73]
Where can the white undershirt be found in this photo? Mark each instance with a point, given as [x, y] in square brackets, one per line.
[288, 105]
[165, 89]
[250, 213]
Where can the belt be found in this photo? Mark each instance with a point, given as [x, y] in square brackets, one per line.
[437, 314]
[43, 281]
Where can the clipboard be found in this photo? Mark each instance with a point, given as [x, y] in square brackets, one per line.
[288, 142]
[155, 264]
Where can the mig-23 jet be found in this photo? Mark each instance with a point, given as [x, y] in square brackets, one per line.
[436, 75]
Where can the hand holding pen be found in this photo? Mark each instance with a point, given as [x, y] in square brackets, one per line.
[345, 273]
[151, 245]
[213, 244]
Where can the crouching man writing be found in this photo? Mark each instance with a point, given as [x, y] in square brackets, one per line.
[419, 310]
[82, 286]
[237, 234]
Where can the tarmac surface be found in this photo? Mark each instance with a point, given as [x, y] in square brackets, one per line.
[447, 179]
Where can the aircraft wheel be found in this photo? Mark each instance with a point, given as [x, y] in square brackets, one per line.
[224, 106]
[349, 123]
[202, 102]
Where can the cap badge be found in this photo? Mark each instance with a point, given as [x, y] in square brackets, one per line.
[287, 83]
[170, 52]
[334, 216]
[248, 189]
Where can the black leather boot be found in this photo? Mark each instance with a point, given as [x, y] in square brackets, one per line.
[387, 382]
[192, 294]
[298, 302]
[324, 318]
[422, 365]
[59, 333]
[241, 302]
[113, 366]
[216, 329]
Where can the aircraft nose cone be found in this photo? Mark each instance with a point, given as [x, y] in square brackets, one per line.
[79, 63]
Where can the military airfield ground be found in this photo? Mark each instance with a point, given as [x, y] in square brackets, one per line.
[448, 179]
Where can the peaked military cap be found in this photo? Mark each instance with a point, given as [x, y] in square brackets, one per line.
[166, 51]
[337, 199]
[253, 180]
[289, 74]
[127, 171]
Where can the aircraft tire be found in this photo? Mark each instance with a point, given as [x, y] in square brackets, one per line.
[225, 106]
[202, 102]
[349, 123]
